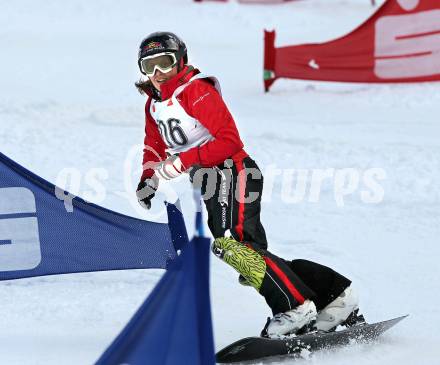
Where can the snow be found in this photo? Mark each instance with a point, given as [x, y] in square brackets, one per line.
[68, 102]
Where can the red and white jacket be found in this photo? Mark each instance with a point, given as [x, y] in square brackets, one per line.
[201, 104]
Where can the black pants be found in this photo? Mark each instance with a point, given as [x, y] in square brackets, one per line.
[232, 194]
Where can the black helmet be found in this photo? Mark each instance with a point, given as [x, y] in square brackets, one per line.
[159, 42]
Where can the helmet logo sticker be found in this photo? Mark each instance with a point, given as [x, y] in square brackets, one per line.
[153, 45]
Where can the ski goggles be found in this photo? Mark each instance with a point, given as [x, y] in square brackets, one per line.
[163, 62]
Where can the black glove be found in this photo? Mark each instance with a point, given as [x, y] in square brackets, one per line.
[146, 190]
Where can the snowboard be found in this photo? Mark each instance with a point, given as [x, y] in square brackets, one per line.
[253, 348]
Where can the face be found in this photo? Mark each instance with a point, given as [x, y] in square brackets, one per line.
[160, 77]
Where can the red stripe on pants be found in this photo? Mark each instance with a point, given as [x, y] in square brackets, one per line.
[241, 197]
[296, 294]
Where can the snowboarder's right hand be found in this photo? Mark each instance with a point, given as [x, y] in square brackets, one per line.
[146, 190]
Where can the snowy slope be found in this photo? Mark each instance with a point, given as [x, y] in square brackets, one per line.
[67, 101]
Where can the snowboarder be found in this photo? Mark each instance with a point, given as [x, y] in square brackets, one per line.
[189, 129]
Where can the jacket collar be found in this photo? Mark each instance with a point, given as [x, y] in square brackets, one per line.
[167, 88]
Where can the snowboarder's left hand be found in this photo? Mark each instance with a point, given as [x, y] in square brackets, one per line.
[170, 168]
[146, 191]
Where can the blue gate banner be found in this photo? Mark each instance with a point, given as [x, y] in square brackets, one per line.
[41, 234]
[173, 326]
[177, 226]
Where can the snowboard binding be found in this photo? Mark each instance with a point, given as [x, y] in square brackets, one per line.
[308, 328]
[354, 319]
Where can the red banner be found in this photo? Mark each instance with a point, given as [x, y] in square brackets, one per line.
[399, 43]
